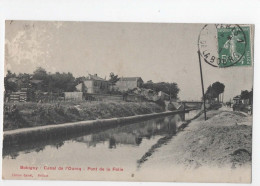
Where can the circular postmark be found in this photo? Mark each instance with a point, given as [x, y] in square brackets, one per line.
[222, 45]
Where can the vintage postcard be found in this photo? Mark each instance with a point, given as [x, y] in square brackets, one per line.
[118, 101]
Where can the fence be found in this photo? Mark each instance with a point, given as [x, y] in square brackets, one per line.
[19, 96]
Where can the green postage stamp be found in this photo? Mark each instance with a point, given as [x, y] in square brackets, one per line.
[226, 45]
[234, 46]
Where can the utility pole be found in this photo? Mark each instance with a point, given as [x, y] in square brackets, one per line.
[202, 86]
[170, 92]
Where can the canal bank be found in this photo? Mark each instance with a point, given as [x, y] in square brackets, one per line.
[25, 135]
[31, 114]
[221, 145]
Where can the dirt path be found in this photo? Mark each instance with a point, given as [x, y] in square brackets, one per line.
[223, 142]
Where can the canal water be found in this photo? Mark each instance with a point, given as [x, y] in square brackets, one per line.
[119, 148]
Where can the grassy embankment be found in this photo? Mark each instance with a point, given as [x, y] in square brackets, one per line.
[25, 115]
[223, 140]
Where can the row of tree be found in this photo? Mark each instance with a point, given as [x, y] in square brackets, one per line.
[49, 82]
[66, 82]
[214, 91]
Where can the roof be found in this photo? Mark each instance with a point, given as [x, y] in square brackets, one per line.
[95, 77]
[130, 78]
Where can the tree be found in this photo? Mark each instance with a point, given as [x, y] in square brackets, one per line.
[10, 82]
[244, 94]
[210, 93]
[61, 82]
[169, 88]
[79, 80]
[57, 82]
[251, 97]
[215, 90]
[113, 78]
[40, 74]
[23, 80]
[10, 74]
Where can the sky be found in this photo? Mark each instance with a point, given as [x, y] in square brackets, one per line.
[154, 51]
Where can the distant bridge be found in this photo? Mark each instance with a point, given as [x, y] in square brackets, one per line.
[191, 104]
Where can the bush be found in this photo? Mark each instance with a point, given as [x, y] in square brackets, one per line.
[161, 103]
[215, 106]
[242, 107]
[13, 118]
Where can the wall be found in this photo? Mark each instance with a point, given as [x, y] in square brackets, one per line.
[100, 86]
[96, 86]
[125, 85]
[89, 86]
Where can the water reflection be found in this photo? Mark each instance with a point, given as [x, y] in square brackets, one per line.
[132, 134]
[127, 135]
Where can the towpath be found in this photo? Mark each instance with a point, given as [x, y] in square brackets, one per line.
[221, 146]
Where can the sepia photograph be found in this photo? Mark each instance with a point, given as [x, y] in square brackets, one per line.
[128, 101]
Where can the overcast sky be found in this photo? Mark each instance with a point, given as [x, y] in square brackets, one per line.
[153, 51]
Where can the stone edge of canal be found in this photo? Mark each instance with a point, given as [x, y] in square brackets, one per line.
[44, 132]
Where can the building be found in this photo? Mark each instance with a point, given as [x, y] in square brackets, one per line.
[94, 85]
[237, 99]
[248, 100]
[128, 83]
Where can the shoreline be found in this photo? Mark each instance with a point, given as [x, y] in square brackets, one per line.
[51, 131]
